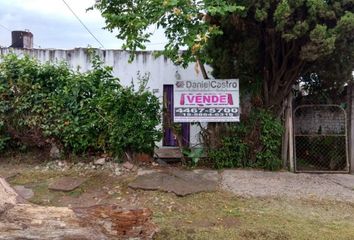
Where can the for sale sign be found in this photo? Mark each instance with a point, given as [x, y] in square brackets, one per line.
[207, 101]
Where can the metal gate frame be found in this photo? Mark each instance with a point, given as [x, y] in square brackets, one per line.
[339, 135]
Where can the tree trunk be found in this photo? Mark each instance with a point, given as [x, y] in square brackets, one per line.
[21, 220]
[282, 67]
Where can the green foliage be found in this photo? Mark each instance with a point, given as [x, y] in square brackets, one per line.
[270, 139]
[42, 103]
[194, 154]
[134, 120]
[3, 137]
[318, 91]
[233, 151]
[280, 41]
[254, 143]
[183, 21]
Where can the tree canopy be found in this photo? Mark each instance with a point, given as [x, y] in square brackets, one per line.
[185, 22]
[270, 42]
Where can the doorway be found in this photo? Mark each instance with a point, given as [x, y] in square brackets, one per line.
[169, 139]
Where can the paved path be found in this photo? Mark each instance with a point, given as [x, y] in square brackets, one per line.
[338, 187]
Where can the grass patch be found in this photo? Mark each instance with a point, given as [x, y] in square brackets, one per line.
[32, 177]
[222, 216]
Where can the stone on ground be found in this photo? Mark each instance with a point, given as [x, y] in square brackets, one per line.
[100, 161]
[54, 152]
[181, 183]
[7, 195]
[24, 192]
[128, 165]
[161, 162]
[66, 184]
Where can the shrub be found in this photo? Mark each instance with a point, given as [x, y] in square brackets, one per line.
[83, 112]
[271, 131]
[134, 129]
[234, 151]
[253, 143]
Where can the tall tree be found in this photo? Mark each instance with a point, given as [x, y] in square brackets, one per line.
[278, 42]
[271, 41]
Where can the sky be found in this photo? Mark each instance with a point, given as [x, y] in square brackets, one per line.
[54, 26]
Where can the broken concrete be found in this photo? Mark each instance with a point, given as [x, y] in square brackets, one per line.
[181, 183]
[66, 184]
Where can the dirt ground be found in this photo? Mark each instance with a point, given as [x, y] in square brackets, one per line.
[241, 208]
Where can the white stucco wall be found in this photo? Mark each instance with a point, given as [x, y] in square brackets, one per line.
[161, 70]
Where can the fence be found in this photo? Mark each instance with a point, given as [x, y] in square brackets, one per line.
[320, 139]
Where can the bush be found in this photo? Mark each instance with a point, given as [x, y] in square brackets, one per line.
[270, 140]
[234, 151]
[83, 112]
[253, 143]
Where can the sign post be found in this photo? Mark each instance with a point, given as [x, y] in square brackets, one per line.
[213, 100]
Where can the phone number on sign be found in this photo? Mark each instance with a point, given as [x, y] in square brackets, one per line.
[190, 112]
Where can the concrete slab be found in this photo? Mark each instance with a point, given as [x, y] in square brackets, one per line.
[180, 182]
[66, 184]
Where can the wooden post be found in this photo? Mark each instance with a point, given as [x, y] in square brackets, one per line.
[287, 153]
[351, 127]
[285, 140]
[202, 68]
[291, 136]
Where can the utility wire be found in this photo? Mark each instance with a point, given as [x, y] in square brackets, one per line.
[5, 27]
[77, 17]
